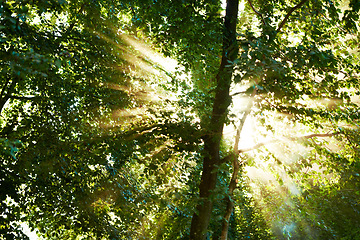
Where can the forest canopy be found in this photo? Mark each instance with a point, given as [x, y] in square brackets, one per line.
[158, 119]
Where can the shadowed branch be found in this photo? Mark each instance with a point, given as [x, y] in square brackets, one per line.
[257, 12]
[289, 13]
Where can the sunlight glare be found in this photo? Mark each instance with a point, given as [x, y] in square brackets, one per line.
[27, 231]
[166, 63]
[148, 71]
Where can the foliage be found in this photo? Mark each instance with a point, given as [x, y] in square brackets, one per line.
[88, 153]
[65, 73]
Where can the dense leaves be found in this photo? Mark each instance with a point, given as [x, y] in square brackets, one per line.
[65, 72]
[91, 147]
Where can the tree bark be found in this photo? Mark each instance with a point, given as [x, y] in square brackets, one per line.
[201, 217]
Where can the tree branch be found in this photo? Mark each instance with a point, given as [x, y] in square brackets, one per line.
[258, 13]
[3, 100]
[256, 146]
[3, 96]
[237, 93]
[289, 13]
[26, 98]
[2, 93]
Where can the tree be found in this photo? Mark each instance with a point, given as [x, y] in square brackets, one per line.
[75, 144]
[58, 87]
[282, 74]
[71, 92]
[201, 218]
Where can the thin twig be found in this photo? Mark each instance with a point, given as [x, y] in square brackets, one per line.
[237, 93]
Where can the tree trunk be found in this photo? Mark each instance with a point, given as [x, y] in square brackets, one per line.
[201, 217]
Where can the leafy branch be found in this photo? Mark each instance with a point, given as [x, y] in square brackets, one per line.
[72, 25]
[289, 13]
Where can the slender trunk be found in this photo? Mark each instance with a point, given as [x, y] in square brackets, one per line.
[236, 167]
[231, 188]
[201, 217]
